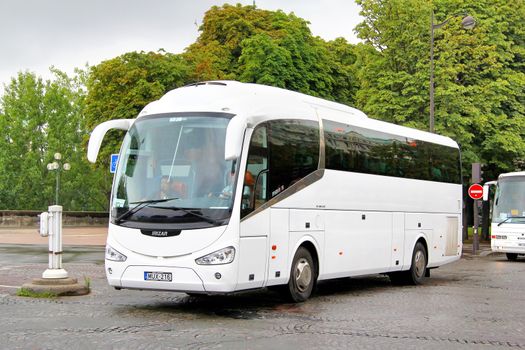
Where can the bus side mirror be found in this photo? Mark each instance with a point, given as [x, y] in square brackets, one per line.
[98, 133]
[486, 189]
[234, 138]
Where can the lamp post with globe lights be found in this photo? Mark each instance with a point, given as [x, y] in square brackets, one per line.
[58, 165]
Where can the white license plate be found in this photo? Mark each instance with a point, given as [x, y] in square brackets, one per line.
[158, 276]
[521, 244]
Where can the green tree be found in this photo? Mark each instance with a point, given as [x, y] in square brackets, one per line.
[342, 62]
[81, 189]
[23, 148]
[39, 119]
[120, 87]
[479, 73]
[273, 48]
[265, 62]
[215, 54]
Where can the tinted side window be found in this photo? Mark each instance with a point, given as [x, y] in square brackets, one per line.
[351, 148]
[255, 186]
[294, 152]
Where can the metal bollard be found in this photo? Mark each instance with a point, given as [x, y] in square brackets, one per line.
[51, 225]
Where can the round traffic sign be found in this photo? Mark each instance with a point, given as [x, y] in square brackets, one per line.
[475, 191]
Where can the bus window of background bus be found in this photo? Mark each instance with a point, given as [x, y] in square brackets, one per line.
[509, 200]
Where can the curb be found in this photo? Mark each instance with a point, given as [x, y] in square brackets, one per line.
[480, 253]
[56, 286]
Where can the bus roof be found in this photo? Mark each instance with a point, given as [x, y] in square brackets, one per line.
[258, 103]
[517, 173]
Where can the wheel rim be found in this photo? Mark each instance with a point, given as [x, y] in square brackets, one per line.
[420, 263]
[303, 274]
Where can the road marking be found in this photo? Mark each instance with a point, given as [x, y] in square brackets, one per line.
[10, 267]
[2, 286]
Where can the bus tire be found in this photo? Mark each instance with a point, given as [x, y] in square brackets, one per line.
[418, 268]
[512, 256]
[303, 276]
[417, 271]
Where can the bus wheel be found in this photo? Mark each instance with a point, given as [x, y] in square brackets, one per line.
[418, 269]
[302, 276]
[512, 256]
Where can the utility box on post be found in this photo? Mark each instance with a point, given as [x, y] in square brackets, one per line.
[44, 224]
[55, 269]
[55, 279]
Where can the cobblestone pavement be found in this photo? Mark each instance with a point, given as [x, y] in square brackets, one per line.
[476, 303]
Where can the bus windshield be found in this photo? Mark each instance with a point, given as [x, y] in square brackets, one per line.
[509, 202]
[172, 171]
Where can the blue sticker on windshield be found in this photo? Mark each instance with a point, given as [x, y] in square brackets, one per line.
[113, 163]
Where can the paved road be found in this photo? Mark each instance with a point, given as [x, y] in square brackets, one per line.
[474, 303]
[76, 235]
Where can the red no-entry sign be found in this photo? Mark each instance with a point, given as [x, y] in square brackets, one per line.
[475, 191]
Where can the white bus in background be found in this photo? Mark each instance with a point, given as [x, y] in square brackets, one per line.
[224, 186]
[508, 214]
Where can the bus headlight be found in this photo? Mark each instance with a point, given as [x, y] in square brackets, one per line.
[114, 255]
[220, 257]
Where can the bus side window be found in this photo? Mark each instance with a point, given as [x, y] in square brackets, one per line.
[259, 194]
[256, 175]
[294, 152]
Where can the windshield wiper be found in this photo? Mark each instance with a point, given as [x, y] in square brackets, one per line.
[139, 206]
[194, 213]
[511, 217]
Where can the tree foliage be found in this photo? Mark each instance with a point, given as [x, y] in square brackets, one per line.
[120, 87]
[270, 47]
[39, 119]
[479, 95]
[479, 86]
[236, 42]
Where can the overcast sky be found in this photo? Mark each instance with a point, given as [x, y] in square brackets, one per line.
[36, 34]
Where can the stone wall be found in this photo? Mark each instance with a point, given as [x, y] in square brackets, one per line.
[29, 218]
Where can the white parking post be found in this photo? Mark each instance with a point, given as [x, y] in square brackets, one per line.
[55, 269]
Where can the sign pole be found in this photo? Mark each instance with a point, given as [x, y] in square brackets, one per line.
[475, 235]
[476, 193]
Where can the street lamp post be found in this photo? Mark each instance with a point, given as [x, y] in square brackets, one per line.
[58, 166]
[468, 22]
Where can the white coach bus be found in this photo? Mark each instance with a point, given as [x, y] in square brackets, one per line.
[224, 186]
[508, 214]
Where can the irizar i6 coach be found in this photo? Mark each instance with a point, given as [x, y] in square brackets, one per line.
[224, 186]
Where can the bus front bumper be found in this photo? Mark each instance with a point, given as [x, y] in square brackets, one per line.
[180, 279]
[506, 247]
[208, 279]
